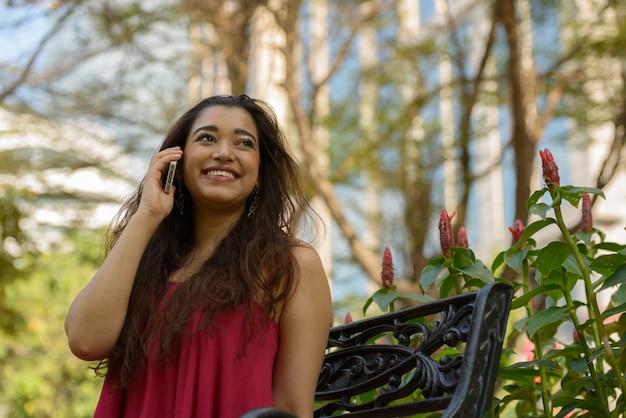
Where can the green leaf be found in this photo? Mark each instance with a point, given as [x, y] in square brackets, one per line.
[481, 273]
[515, 257]
[433, 272]
[612, 246]
[367, 304]
[551, 257]
[571, 265]
[618, 277]
[523, 376]
[548, 316]
[463, 257]
[384, 298]
[539, 209]
[578, 365]
[526, 297]
[471, 283]
[534, 198]
[572, 198]
[520, 324]
[608, 264]
[580, 190]
[531, 229]
[613, 311]
[593, 405]
[446, 285]
[417, 297]
[548, 364]
[574, 194]
[565, 280]
[497, 262]
[569, 351]
[570, 282]
[567, 404]
[619, 297]
[573, 383]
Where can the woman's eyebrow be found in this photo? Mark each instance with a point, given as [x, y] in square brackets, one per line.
[213, 128]
[242, 131]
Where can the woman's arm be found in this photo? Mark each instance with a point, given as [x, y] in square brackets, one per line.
[304, 324]
[96, 316]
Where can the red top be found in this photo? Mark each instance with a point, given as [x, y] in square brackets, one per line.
[212, 378]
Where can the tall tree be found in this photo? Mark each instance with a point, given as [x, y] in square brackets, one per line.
[504, 54]
[127, 65]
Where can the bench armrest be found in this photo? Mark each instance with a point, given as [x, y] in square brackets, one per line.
[440, 356]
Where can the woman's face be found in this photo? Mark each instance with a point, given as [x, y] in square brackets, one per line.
[221, 159]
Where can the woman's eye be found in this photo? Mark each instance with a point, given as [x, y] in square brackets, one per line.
[247, 143]
[204, 136]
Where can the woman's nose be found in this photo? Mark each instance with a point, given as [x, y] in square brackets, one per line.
[222, 152]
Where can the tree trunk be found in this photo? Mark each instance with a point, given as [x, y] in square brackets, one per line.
[523, 144]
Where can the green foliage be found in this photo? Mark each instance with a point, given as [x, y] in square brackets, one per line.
[14, 247]
[588, 376]
[547, 374]
[39, 376]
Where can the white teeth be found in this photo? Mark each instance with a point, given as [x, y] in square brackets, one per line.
[221, 173]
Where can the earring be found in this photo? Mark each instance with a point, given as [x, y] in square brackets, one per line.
[179, 200]
[254, 196]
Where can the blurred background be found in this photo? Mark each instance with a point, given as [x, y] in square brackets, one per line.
[396, 110]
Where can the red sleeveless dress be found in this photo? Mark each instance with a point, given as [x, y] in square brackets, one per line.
[213, 378]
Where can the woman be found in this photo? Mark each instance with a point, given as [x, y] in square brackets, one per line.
[206, 305]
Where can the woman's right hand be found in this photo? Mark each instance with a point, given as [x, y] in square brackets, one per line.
[154, 201]
[97, 314]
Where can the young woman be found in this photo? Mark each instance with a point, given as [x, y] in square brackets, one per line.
[206, 304]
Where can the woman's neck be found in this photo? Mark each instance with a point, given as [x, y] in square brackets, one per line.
[210, 229]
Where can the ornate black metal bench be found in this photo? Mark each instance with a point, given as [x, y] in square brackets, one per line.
[441, 356]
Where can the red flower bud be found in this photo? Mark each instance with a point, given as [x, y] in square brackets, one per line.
[387, 273]
[461, 238]
[587, 220]
[446, 239]
[517, 230]
[348, 319]
[550, 169]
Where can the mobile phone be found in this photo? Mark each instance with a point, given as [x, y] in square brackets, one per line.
[169, 180]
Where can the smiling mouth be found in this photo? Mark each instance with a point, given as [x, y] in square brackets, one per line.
[220, 173]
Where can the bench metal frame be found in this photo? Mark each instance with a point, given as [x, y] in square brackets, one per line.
[386, 358]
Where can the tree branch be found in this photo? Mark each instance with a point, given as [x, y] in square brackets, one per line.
[26, 70]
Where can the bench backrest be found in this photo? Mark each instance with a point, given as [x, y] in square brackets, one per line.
[440, 356]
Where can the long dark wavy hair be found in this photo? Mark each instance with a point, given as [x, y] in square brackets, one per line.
[254, 262]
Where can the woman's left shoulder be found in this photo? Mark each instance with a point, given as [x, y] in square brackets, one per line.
[303, 249]
[311, 290]
[308, 259]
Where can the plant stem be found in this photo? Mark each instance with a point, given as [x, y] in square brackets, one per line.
[571, 309]
[457, 284]
[599, 329]
[543, 384]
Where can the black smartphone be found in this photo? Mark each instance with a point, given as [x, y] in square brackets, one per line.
[169, 180]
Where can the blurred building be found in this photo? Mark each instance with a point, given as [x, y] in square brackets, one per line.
[68, 173]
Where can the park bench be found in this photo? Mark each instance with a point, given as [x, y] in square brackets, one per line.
[440, 356]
